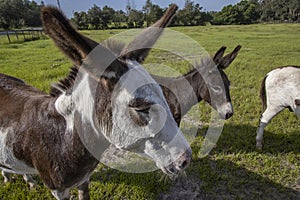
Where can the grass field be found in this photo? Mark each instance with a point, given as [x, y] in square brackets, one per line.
[235, 169]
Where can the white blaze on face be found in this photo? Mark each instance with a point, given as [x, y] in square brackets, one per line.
[159, 139]
[224, 109]
[217, 89]
[136, 84]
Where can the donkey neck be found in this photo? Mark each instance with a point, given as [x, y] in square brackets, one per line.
[191, 96]
[42, 141]
[71, 152]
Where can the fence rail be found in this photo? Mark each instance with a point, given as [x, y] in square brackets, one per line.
[24, 34]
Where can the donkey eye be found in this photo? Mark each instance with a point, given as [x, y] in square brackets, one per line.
[143, 110]
[140, 105]
[139, 111]
[217, 89]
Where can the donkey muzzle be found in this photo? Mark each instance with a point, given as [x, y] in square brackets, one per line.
[178, 165]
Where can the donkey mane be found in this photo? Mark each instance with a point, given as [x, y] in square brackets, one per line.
[64, 85]
[204, 62]
[115, 46]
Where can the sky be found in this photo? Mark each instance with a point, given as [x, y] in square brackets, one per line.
[71, 6]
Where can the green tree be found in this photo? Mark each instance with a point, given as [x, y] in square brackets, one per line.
[119, 18]
[135, 19]
[244, 12]
[267, 12]
[80, 19]
[152, 12]
[249, 11]
[107, 16]
[190, 15]
[32, 13]
[146, 10]
[280, 10]
[11, 14]
[94, 17]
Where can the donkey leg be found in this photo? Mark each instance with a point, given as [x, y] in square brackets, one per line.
[6, 177]
[266, 117]
[29, 179]
[297, 109]
[83, 191]
[259, 134]
[61, 195]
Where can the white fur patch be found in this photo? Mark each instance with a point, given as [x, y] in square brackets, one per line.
[8, 159]
[65, 194]
[125, 131]
[59, 195]
[160, 138]
[283, 87]
[64, 106]
[82, 100]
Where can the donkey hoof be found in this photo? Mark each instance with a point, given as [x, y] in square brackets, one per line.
[259, 145]
[32, 186]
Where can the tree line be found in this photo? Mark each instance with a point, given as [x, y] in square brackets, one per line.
[26, 13]
[20, 13]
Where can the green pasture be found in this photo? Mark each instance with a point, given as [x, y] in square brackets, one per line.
[234, 169]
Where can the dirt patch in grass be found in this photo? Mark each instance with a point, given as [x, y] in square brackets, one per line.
[184, 188]
[219, 182]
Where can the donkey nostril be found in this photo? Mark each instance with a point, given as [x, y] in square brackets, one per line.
[183, 165]
[172, 170]
[228, 115]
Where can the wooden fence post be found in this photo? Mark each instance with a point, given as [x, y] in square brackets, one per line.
[16, 33]
[8, 37]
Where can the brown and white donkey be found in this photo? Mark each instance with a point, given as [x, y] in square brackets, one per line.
[177, 97]
[105, 100]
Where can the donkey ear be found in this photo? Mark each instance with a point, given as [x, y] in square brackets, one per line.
[219, 55]
[227, 60]
[68, 40]
[139, 48]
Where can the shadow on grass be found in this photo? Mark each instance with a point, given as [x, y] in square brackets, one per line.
[221, 179]
[213, 177]
[241, 138]
[114, 184]
[206, 179]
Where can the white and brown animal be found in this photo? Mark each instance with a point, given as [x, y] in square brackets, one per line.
[279, 90]
[106, 97]
[177, 96]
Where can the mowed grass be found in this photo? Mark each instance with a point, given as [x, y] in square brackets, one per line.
[235, 169]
